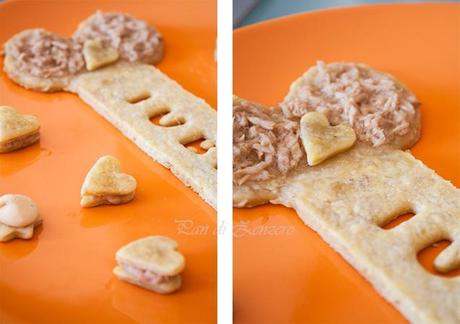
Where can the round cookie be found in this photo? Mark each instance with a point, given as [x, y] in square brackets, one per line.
[39, 60]
[134, 39]
[380, 108]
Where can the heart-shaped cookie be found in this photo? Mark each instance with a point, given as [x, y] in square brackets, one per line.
[105, 184]
[97, 55]
[17, 130]
[152, 262]
[320, 140]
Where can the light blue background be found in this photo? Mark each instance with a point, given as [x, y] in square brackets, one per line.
[267, 9]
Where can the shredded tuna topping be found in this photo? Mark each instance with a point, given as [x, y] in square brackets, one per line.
[265, 143]
[133, 38]
[44, 54]
[378, 108]
[145, 276]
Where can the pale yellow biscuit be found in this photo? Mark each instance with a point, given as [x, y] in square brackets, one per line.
[152, 263]
[97, 55]
[106, 185]
[16, 130]
[8, 233]
[320, 140]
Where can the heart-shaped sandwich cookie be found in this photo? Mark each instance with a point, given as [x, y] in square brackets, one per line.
[152, 262]
[106, 185]
[320, 140]
[18, 217]
[16, 130]
[97, 55]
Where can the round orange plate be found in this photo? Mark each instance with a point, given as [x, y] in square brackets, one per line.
[291, 275]
[64, 274]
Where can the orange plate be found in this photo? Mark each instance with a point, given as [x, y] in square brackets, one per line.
[65, 272]
[292, 275]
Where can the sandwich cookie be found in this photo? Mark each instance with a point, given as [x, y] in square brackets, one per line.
[18, 217]
[152, 263]
[106, 185]
[17, 131]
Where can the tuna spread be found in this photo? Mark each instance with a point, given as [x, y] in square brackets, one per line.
[380, 109]
[265, 143]
[44, 54]
[145, 276]
[134, 39]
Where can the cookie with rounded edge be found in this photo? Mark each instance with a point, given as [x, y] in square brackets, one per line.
[18, 217]
[398, 141]
[16, 130]
[14, 69]
[152, 262]
[106, 185]
[110, 28]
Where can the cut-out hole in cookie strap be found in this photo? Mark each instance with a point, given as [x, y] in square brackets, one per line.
[138, 98]
[397, 221]
[199, 146]
[427, 256]
[162, 120]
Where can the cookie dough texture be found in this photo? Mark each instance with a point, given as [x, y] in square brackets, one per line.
[129, 95]
[360, 190]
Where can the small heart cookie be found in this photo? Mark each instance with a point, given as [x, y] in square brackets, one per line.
[106, 185]
[16, 130]
[320, 140]
[152, 262]
[97, 55]
[18, 217]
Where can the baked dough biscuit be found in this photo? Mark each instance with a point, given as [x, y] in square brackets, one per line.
[18, 217]
[320, 140]
[381, 109]
[134, 39]
[17, 131]
[8, 233]
[97, 55]
[106, 185]
[152, 263]
[42, 61]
